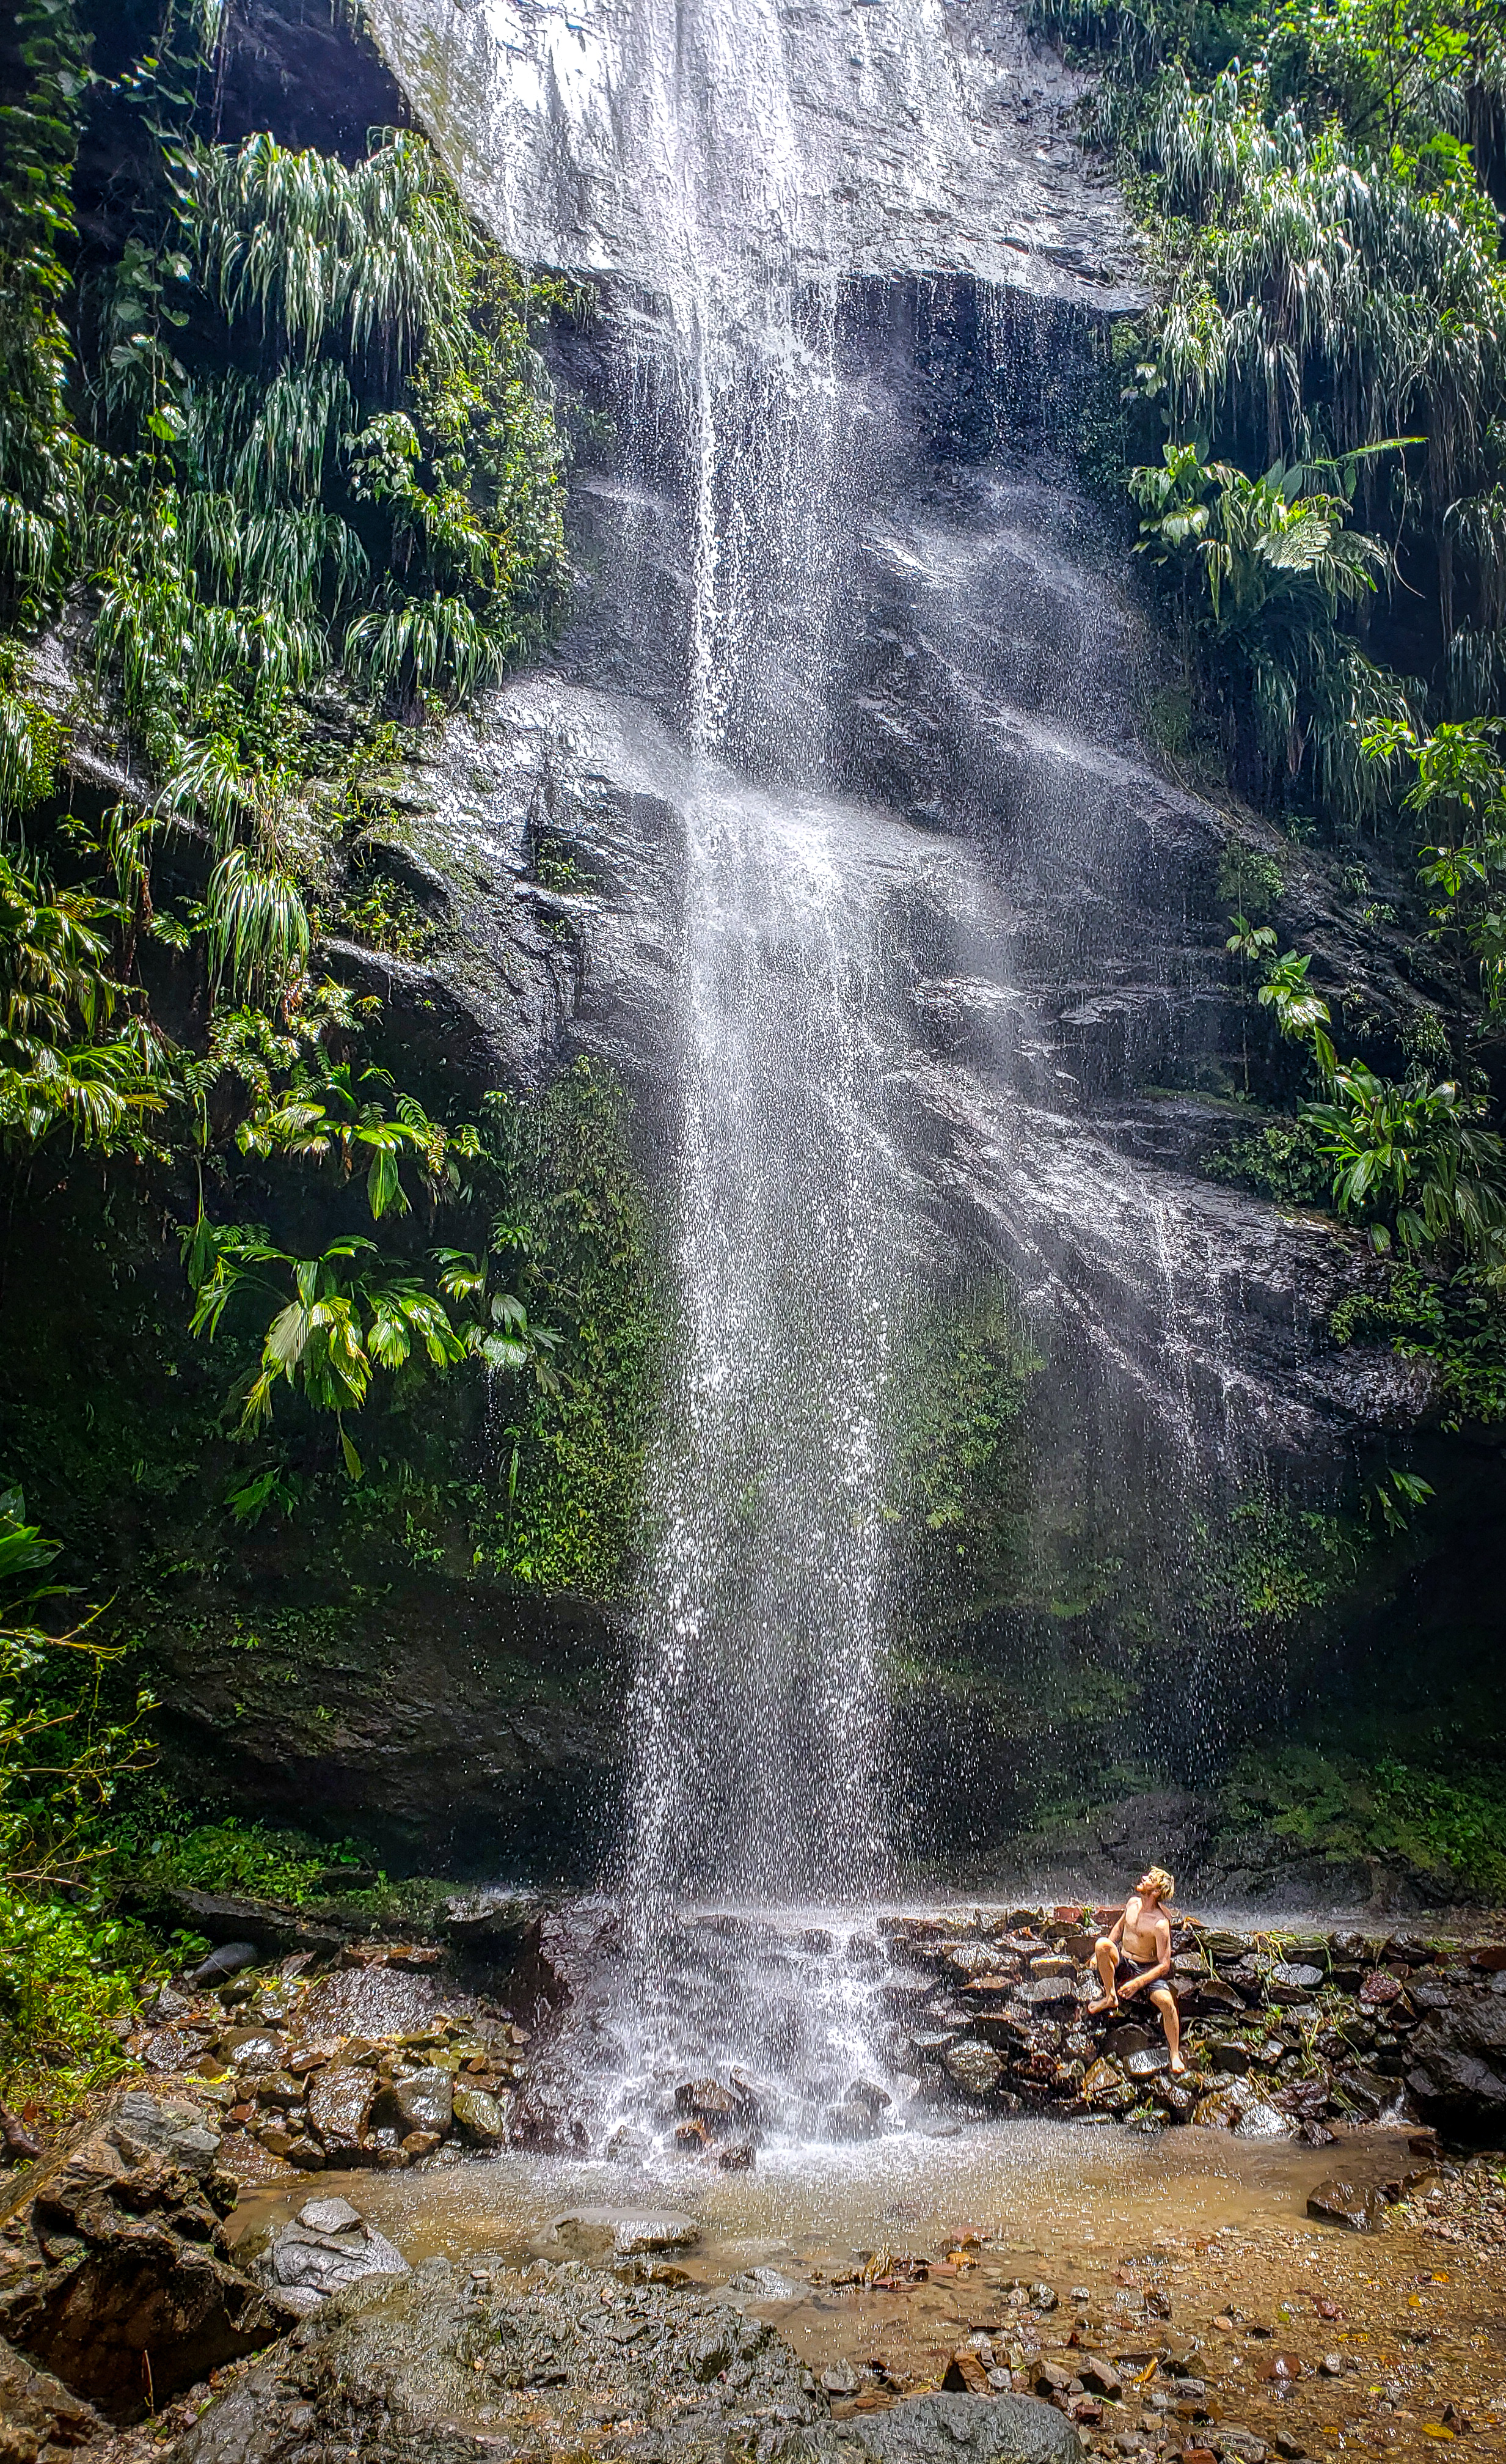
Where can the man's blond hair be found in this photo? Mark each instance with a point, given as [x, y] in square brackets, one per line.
[1163, 1882]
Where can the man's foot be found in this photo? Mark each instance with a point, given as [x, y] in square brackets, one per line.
[1178, 2067]
[1109, 2002]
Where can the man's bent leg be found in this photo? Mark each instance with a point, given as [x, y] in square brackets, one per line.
[1164, 2001]
[1105, 1959]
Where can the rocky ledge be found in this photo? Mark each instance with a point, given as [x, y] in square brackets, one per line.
[975, 2012]
[1283, 2037]
[116, 2273]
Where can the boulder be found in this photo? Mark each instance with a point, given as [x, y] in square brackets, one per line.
[975, 2066]
[329, 2247]
[129, 2220]
[425, 2101]
[1456, 2062]
[38, 2415]
[987, 2430]
[339, 2107]
[479, 2115]
[1260, 2119]
[491, 1924]
[765, 2285]
[237, 1924]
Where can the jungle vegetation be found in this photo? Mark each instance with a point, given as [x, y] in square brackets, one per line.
[279, 471]
[280, 483]
[1315, 420]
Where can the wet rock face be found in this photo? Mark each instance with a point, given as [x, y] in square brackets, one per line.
[129, 2256]
[648, 148]
[39, 2414]
[991, 2429]
[1458, 2070]
[1046, 901]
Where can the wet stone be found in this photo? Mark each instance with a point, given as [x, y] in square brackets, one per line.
[339, 2102]
[250, 2049]
[975, 2066]
[1358, 2210]
[329, 2248]
[1146, 2060]
[989, 2430]
[477, 2113]
[422, 2101]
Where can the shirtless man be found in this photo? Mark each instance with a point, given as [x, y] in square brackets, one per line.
[1146, 1947]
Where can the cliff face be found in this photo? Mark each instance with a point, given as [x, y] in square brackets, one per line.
[847, 605]
[883, 138]
[1059, 1039]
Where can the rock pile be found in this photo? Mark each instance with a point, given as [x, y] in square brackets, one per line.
[369, 2064]
[1280, 2038]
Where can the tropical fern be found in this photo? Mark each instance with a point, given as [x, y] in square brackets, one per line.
[370, 258]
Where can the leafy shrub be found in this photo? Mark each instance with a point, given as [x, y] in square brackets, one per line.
[1283, 1159]
[1338, 1807]
[227, 1856]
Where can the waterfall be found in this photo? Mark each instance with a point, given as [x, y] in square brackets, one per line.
[850, 631]
[759, 1702]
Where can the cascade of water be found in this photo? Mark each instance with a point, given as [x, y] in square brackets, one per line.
[758, 1708]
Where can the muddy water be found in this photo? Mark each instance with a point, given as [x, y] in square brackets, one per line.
[1190, 2238]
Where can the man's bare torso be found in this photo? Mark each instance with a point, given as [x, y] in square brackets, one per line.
[1141, 1940]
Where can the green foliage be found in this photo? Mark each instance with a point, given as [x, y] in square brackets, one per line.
[63, 1964]
[1265, 567]
[1249, 882]
[1265, 548]
[962, 1379]
[1331, 1805]
[572, 1229]
[1459, 792]
[67, 1970]
[43, 462]
[67, 1059]
[1413, 1161]
[1414, 1157]
[330, 1109]
[1282, 1160]
[1272, 1561]
[389, 917]
[350, 1314]
[179, 1853]
[193, 436]
[369, 259]
[1330, 284]
[1452, 1321]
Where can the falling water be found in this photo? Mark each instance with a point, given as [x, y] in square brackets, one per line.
[760, 1699]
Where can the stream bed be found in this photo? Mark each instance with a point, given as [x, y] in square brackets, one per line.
[1186, 2257]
